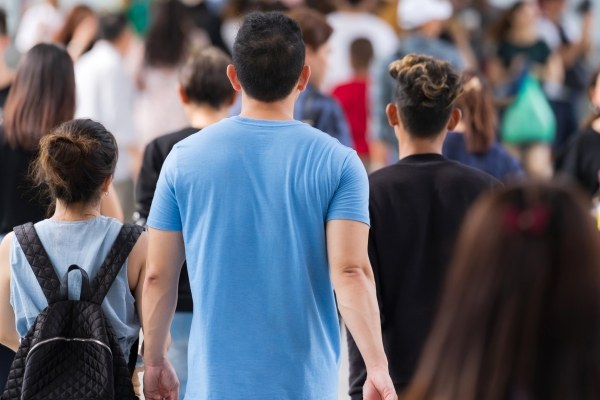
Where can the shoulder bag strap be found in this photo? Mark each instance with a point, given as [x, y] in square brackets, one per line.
[39, 261]
[111, 266]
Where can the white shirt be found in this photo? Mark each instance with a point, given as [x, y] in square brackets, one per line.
[105, 93]
[38, 25]
[347, 27]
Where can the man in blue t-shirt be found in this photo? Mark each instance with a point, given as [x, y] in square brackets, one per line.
[272, 216]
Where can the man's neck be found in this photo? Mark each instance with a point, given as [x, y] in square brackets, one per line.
[280, 110]
[201, 116]
[410, 146]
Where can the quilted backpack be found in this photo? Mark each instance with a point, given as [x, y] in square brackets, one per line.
[71, 351]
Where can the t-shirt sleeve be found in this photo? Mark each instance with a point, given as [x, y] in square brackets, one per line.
[351, 198]
[164, 212]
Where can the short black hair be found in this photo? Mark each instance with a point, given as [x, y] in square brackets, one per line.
[3, 28]
[112, 26]
[426, 92]
[204, 77]
[268, 55]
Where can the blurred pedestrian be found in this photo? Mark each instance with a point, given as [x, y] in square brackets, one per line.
[520, 316]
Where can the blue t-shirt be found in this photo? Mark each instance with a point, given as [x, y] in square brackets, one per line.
[252, 198]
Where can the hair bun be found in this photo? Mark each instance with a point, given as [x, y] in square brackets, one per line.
[64, 150]
[74, 160]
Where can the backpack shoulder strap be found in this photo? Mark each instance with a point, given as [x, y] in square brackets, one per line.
[39, 261]
[118, 253]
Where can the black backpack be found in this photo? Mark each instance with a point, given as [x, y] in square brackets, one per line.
[71, 351]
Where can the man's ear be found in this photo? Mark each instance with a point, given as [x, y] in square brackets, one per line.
[183, 97]
[304, 77]
[392, 114]
[233, 78]
[455, 118]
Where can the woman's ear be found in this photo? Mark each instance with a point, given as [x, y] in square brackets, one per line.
[106, 184]
[455, 118]
[392, 114]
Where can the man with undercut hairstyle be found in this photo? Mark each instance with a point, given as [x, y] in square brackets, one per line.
[272, 217]
[416, 206]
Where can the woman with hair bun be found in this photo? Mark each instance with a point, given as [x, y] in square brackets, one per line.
[42, 97]
[520, 314]
[75, 164]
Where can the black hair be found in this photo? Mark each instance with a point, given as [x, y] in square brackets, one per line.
[167, 37]
[426, 92]
[74, 160]
[3, 27]
[112, 26]
[268, 55]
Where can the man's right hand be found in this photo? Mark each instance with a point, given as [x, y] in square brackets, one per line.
[160, 382]
[379, 386]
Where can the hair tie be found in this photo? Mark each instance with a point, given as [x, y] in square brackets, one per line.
[533, 221]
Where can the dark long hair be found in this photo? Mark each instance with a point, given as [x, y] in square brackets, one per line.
[500, 30]
[520, 314]
[74, 18]
[41, 97]
[167, 37]
[479, 114]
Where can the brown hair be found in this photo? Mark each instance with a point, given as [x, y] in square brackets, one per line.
[74, 18]
[204, 77]
[314, 26]
[499, 31]
[361, 54]
[479, 114]
[426, 90]
[41, 97]
[74, 160]
[520, 313]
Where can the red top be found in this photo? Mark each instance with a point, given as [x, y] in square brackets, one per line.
[352, 96]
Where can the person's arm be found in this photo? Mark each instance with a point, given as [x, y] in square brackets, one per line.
[165, 257]
[8, 329]
[136, 270]
[110, 205]
[573, 52]
[355, 291]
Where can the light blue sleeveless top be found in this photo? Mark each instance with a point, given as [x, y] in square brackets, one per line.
[86, 244]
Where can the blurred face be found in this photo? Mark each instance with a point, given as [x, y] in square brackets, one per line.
[525, 16]
[318, 61]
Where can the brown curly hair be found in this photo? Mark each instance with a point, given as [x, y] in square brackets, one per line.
[426, 92]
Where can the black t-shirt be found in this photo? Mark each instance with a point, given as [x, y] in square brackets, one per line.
[20, 201]
[155, 155]
[580, 160]
[417, 207]
[3, 95]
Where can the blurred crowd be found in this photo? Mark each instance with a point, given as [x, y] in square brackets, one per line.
[529, 104]
[531, 62]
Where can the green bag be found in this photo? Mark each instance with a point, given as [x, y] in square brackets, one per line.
[529, 119]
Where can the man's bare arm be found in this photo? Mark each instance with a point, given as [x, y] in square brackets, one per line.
[354, 285]
[166, 254]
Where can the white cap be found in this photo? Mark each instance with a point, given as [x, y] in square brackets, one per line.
[415, 13]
